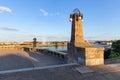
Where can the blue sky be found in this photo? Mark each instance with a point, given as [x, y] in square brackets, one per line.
[21, 20]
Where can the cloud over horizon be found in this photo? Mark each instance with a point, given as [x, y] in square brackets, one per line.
[9, 29]
[5, 9]
[45, 13]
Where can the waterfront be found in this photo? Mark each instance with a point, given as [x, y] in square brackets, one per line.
[64, 48]
[55, 48]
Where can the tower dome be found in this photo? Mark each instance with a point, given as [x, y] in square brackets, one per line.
[76, 11]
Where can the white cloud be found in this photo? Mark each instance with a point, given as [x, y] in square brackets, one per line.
[5, 9]
[54, 14]
[9, 29]
[45, 13]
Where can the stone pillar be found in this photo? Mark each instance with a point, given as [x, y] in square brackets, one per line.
[78, 50]
[34, 44]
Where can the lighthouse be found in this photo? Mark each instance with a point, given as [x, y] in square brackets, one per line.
[80, 51]
[77, 37]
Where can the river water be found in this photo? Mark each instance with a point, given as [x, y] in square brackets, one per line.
[55, 48]
[64, 48]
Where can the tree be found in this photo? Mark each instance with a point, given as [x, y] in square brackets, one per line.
[113, 54]
[107, 53]
[116, 46]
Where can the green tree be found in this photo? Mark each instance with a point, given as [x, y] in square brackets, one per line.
[116, 46]
[107, 53]
[113, 54]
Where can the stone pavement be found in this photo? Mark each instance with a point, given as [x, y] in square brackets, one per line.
[44, 60]
[69, 72]
[17, 59]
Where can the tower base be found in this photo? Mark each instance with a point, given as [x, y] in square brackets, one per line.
[88, 56]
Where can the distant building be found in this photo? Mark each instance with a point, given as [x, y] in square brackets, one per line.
[27, 43]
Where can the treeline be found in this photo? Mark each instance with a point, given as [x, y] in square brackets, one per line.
[114, 51]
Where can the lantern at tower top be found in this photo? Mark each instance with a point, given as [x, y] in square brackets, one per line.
[76, 12]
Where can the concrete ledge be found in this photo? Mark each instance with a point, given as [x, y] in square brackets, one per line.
[35, 68]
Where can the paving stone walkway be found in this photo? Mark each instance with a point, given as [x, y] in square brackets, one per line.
[17, 59]
[103, 72]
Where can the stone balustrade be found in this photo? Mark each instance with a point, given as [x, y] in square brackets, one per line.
[60, 55]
